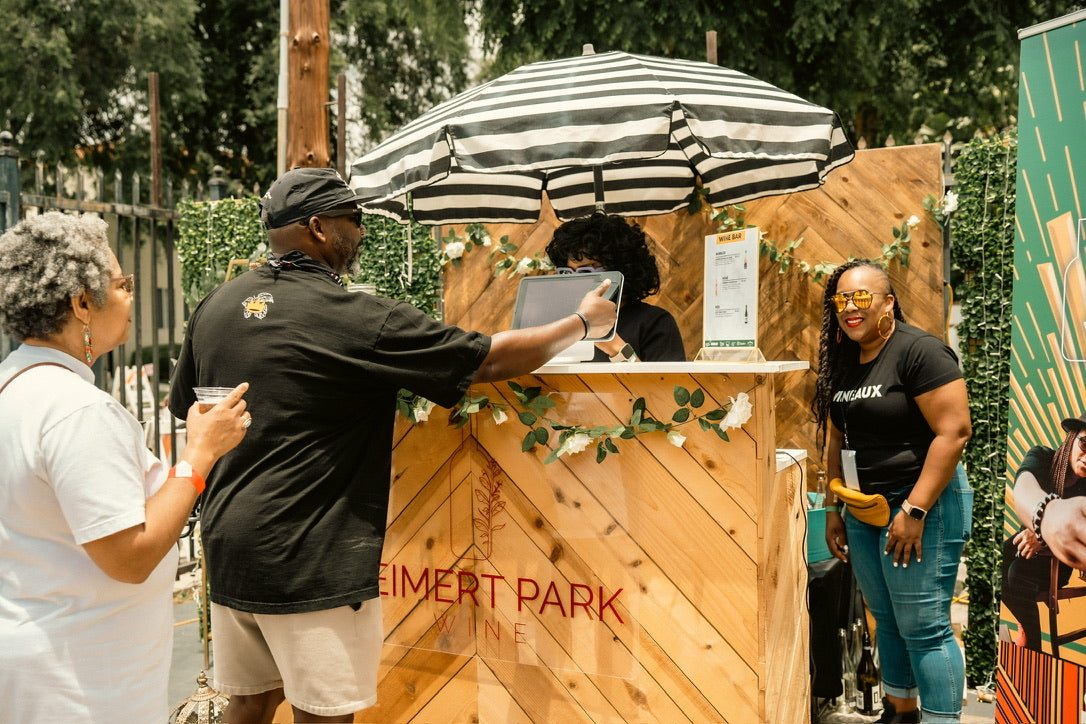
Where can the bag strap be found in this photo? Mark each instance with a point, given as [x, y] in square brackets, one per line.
[30, 367]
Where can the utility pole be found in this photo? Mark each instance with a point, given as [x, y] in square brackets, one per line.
[308, 142]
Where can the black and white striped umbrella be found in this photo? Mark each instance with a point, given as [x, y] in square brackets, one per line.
[632, 134]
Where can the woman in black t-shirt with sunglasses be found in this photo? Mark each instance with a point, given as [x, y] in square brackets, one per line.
[898, 416]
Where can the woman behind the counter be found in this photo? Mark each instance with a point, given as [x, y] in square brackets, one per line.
[604, 242]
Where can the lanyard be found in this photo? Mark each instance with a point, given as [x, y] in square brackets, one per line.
[844, 412]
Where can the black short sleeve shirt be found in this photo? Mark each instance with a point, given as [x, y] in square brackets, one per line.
[651, 331]
[877, 413]
[293, 519]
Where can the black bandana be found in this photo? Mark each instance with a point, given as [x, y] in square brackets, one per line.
[297, 260]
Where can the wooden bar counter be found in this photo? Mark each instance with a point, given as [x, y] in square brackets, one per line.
[665, 584]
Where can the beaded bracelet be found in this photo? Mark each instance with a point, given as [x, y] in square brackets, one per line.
[1039, 514]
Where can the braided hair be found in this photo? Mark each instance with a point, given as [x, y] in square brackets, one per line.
[1062, 474]
[837, 354]
[616, 244]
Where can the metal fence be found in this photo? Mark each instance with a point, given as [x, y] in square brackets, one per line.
[142, 236]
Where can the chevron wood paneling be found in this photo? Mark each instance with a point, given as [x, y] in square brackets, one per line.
[852, 215]
[664, 585]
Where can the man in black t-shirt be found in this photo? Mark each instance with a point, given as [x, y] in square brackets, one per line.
[293, 521]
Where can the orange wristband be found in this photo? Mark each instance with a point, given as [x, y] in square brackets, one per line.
[184, 471]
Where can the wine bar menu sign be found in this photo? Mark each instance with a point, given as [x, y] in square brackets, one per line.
[731, 289]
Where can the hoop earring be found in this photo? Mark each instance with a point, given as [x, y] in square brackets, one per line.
[878, 325]
[88, 344]
[839, 335]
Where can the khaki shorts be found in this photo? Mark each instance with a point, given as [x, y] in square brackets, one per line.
[325, 661]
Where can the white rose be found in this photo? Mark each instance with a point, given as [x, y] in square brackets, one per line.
[576, 443]
[499, 415]
[913, 221]
[950, 202]
[422, 411]
[454, 249]
[484, 239]
[676, 438]
[524, 266]
[739, 412]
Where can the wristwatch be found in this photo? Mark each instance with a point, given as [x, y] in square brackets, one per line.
[626, 354]
[912, 511]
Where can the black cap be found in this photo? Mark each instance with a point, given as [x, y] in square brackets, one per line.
[304, 192]
[1075, 424]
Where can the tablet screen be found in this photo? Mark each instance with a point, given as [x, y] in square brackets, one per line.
[544, 299]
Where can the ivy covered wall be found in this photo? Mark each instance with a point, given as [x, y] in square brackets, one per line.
[402, 263]
[983, 251]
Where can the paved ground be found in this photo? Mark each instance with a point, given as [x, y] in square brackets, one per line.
[188, 652]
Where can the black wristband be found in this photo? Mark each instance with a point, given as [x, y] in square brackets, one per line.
[584, 319]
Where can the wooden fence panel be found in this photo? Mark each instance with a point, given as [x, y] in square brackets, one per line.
[852, 215]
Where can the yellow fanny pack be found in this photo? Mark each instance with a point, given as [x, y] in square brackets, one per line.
[870, 509]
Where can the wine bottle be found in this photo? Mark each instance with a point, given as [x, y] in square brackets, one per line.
[868, 695]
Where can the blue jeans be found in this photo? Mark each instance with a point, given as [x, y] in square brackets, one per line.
[917, 649]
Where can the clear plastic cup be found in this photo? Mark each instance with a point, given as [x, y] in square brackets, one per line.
[208, 396]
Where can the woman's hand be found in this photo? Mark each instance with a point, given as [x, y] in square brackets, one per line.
[835, 536]
[1063, 529]
[216, 432]
[903, 539]
[130, 555]
[1027, 543]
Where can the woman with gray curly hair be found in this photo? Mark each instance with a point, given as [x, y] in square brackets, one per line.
[89, 518]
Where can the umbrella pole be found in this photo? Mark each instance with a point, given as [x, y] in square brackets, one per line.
[597, 185]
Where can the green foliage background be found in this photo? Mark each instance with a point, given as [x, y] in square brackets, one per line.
[73, 75]
[211, 233]
[385, 253]
[927, 66]
[983, 250]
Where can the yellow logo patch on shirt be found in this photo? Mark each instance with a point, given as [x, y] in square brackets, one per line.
[257, 306]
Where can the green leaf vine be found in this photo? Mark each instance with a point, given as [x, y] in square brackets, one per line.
[506, 263]
[783, 254]
[533, 409]
[402, 262]
[983, 251]
[209, 235]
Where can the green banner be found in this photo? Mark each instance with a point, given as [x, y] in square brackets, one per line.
[1048, 348]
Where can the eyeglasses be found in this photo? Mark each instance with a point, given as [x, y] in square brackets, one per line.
[128, 282]
[580, 269]
[861, 298]
[1081, 443]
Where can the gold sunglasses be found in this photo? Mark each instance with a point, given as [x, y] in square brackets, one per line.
[861, 298]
